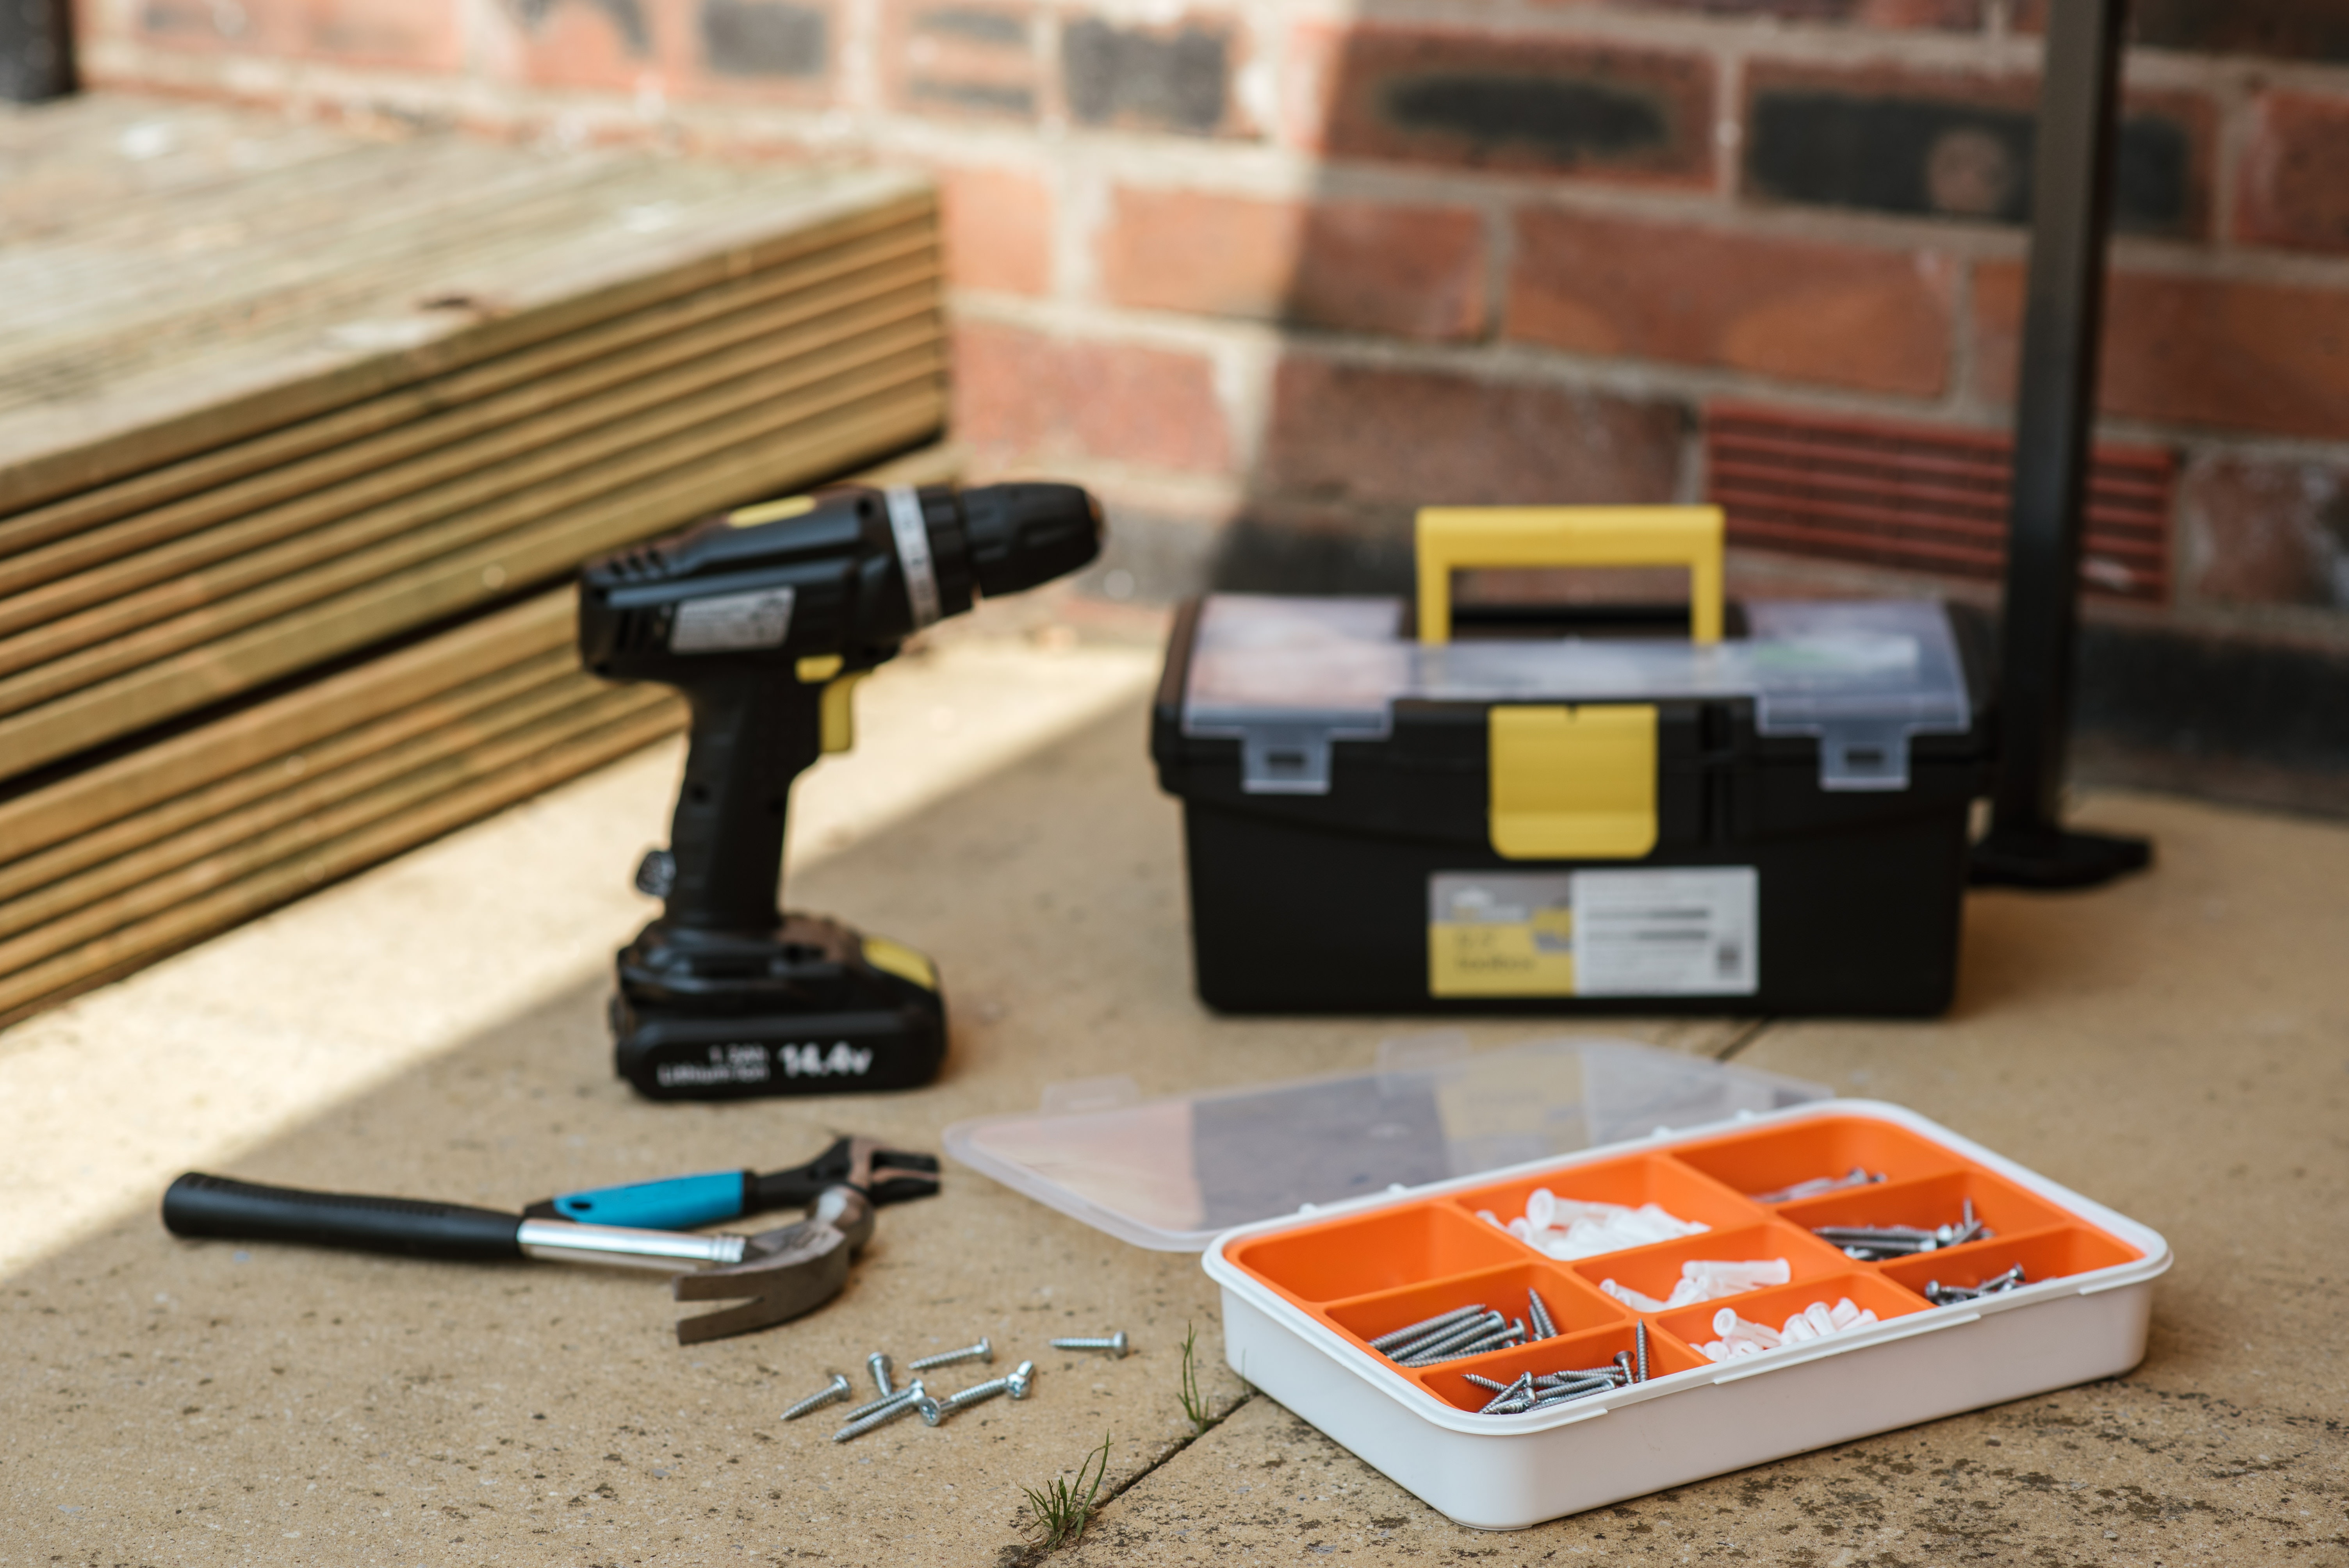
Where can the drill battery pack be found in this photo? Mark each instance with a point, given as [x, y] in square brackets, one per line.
[1768, 814]
[820, 1009]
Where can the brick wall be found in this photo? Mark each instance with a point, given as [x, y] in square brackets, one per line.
[1271, 272]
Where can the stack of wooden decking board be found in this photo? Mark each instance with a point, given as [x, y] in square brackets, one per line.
[303, 435]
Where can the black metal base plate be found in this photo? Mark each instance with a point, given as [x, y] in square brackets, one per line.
[2055, 860]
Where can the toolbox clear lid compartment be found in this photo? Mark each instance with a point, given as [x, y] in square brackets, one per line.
[1287, 676]
[1171, 1174]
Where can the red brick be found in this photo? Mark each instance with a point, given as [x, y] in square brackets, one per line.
[766, 51]
[2292, 191]
[961, 59]
[416, 35]
[578, 43]
[1487, 100]
[1958, 145]
[999, 231]
[1936, 16]
[1805, 310]
[1405, 272]
[1344, 433]
[2195, 350]
[1173, 78]
[2266, 533]
[1025, 398]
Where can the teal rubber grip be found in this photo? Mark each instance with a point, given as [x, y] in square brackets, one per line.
[678, 1203]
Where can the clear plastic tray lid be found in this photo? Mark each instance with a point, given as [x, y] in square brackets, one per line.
[1286, 677]
[1171, 1174]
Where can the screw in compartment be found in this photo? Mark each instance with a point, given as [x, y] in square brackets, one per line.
[1389, 1341]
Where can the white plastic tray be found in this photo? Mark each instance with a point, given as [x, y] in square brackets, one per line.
[1507, 1473]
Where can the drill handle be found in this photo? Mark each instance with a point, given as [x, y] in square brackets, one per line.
[754, 731]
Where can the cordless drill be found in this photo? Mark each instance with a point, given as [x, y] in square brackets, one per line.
[765, 618]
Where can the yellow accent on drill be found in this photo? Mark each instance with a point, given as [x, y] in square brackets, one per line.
[839, 713]
[1572, 783]
[896, 958]
[818, 667]
[1454, 538]
[770, 510]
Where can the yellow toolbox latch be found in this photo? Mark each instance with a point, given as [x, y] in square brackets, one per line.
[1573, 783]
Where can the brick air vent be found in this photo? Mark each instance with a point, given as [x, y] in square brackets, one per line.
[1923, 496]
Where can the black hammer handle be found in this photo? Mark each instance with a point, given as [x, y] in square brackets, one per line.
[201, 1205]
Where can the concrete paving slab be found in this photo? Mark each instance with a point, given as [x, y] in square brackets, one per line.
[2175, 1046]
[207, 1402]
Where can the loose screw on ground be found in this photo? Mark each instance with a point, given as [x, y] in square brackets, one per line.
[1113, 1345]
[982, 1351]
[1017, 1385]
[883, 1411]
[870, 1405]
[878, 1365]
[839, 1390]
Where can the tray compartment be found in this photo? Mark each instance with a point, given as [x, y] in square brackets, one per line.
[1679, 1191]
[1749, 1163]
[2005, 1208]
[1595, 1347]
[1573, 1305]
[1772, 1308]
[1653, 1271]
[2044, 1254]
[1412, 1245]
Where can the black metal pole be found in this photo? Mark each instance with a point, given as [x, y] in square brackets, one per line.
[2055, 417]
[35, 50]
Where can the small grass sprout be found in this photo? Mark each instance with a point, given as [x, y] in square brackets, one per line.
[1064, 1507]
[1194, 1403]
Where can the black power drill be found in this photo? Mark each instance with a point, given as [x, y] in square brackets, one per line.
[765, 618]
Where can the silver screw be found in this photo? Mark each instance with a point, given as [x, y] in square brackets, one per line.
[902, 1403]
[1114, 1345]
[1524, 1386]
[878, 1365]
[870, 1405]
[1486, 1383]
[1640, 1356]
[982, 1351]
[838, 1391]
[1459, 1334]
[1409, 1332]
[1023, 1377]
[1545, 1327]
[1565, 1391]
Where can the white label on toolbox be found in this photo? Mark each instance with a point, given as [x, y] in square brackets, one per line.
[1667, 933]
[1663, 933]
[728, 622]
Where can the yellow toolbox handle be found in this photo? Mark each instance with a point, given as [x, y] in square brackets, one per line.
[1454, 538]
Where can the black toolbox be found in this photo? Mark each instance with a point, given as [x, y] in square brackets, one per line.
[1379, 821]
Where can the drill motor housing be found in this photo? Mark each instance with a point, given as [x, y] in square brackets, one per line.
[763, 619]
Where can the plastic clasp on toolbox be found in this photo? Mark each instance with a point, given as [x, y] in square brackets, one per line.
[1572, 783]
[1455, 538]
